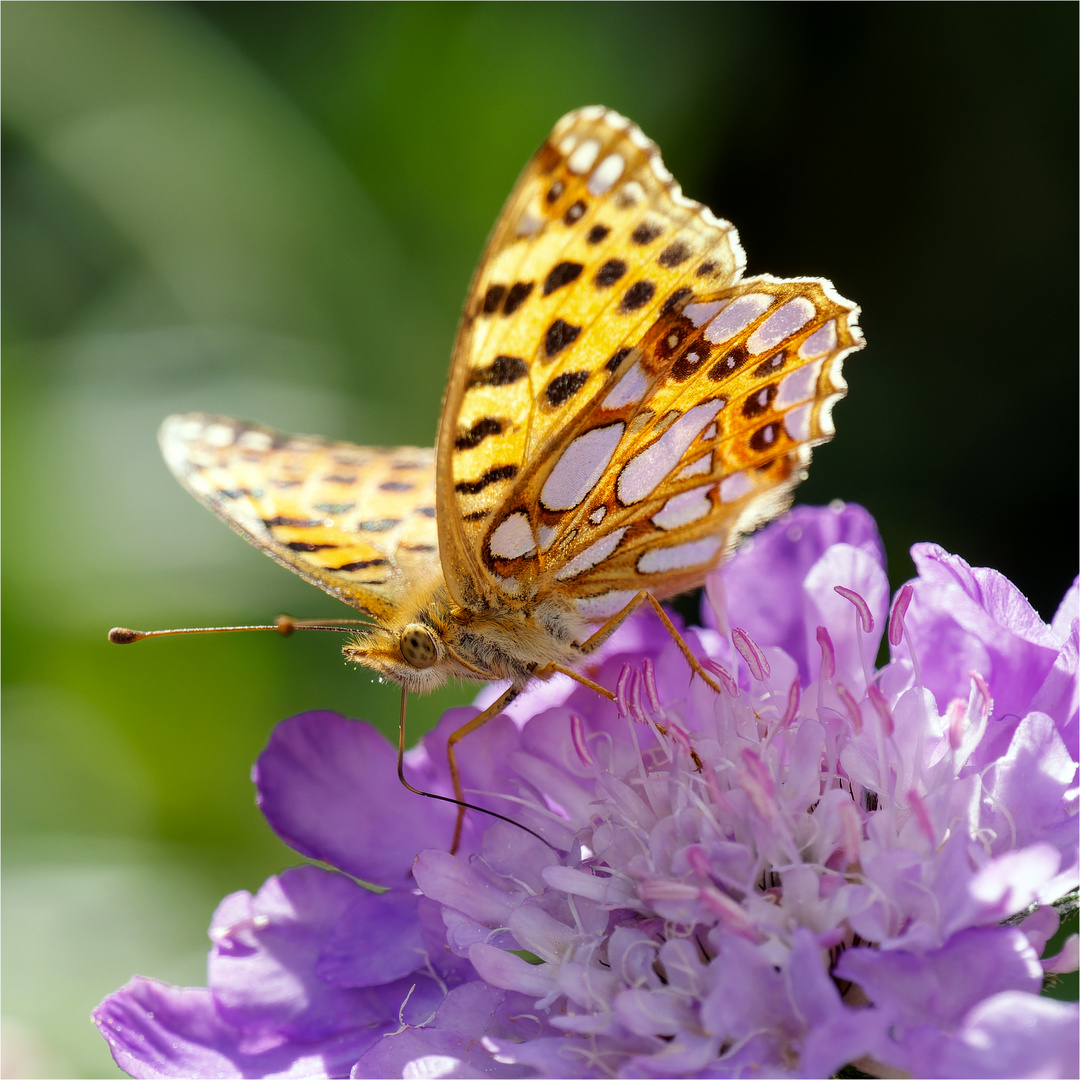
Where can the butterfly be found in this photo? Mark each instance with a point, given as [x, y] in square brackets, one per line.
[623, 406]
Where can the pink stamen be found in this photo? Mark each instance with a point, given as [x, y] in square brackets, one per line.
[730, 685]
[717, 795]
[666, 889]
[828, 653]
[881, 707]
[896, 616]
[678, 736]
[955, 716]
[921, 816]
[984, 693]
[726, 908]
[620, 691]
[852, 707]
[793, 699]
[861, 606]
[634, 698]
[577, 736]
[758, 784]
[699, 861]
[650, 684]
[850, 832]
[749, 651]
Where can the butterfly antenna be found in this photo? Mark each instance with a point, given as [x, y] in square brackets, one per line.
[447, 798]
[284, 625]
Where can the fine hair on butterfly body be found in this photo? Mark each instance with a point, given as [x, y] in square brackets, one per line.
[623, 405]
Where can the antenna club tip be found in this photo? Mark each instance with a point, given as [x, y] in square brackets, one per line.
[121, 635]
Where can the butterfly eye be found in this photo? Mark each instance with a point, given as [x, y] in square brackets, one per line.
[418, 647]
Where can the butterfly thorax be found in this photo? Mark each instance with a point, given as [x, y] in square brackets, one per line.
[437, 639]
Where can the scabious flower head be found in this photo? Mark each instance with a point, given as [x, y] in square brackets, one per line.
[823, 864]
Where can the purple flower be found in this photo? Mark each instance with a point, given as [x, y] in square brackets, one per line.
[824, 864]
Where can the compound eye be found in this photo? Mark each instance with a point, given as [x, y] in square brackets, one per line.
[418, 647]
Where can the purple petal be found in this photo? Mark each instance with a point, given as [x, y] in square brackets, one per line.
[377, 940]
[262, 968]
[1068, 610]
[763, 583]
[1009, 1035]
[965, 618]
[329, 788]
[1028, 785]
[156, 1030]
[938, 987]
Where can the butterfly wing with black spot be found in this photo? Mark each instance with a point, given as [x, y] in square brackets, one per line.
[561, 295]
[357, 521]
[594, 342]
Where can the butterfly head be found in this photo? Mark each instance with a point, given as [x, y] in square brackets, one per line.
[413, 655]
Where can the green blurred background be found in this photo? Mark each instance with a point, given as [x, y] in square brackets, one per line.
[273, 210]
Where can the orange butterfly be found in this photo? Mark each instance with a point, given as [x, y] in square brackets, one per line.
[623, 406]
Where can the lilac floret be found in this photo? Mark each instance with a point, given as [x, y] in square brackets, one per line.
[825, 864]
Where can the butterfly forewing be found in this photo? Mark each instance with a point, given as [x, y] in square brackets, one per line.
[357, 521]
[621, 406]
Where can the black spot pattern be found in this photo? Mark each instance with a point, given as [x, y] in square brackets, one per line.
[729, 363]
[765, 437]
[646, 232]
[396, 485]
[563, 387]
[492, 476]
[379, 525]
[609, 273]
[335, 508]
[502, 371]
[333, 479]
[637, 296]
[759, 401]
[517, 296]
[292, 523]
[597, 233]
[426, 511]
[674, 253]
[561, 275]
[574, 213]
[555, 191]
[298, 545]
[689, 363]
[476, 515]
[560, 334]
[492, 298]
[365, 565]
[706, 268]
[478, 433]
[617, 359]
[770, 366]
[677, 300]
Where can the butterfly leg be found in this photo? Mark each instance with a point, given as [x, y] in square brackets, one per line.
[613, 624]
[474, 724]
[548, 670]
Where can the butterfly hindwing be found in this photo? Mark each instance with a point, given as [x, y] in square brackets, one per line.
[359, 522]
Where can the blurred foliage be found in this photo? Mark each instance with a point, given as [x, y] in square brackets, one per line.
[273, 211]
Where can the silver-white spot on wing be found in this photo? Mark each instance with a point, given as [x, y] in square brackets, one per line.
[582, 463]
[647, 469]
[738, 315]
[659, 560]
[593, 555]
